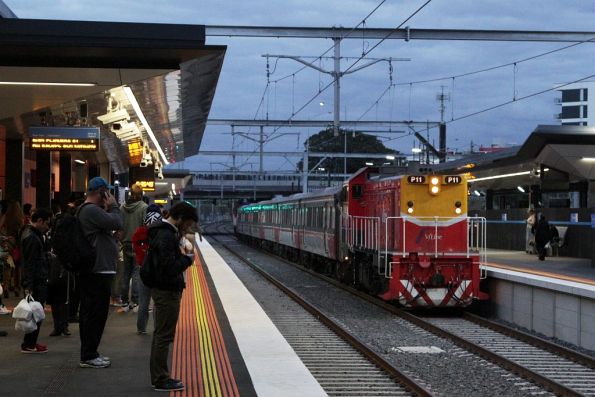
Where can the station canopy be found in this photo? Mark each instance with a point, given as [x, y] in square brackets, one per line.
[564, 153]
[147, 84]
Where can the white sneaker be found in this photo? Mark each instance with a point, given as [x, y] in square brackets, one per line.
[135, 308]
[4, 310]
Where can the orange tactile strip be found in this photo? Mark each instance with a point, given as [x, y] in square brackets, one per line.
[200, 357]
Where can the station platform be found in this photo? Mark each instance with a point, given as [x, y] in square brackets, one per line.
[565, 268]
[225, 345]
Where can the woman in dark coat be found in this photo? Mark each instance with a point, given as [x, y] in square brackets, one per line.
[542, 236]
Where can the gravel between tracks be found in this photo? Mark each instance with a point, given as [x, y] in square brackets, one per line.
[453, 372]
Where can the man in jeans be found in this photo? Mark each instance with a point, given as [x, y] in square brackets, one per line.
[133, 214]
[35, 270]
[99, 217]
[171, 254]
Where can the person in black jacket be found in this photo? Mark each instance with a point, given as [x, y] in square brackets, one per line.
[171, 254]
[542, 236]
[36, 270]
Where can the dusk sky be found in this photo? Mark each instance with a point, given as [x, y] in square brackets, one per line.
[243, 78]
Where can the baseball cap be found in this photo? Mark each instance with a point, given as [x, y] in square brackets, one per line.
[98, 183]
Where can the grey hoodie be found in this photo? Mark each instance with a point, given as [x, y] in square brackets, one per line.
[133, 215]
[98, 226]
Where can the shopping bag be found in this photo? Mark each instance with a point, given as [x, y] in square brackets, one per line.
[27, 326]
[38, 312]
[23, 310]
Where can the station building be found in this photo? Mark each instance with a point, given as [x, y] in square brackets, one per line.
[83, 99]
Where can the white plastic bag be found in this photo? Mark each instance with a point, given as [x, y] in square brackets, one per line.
[38, 312]
[23, 310]
[27, 326]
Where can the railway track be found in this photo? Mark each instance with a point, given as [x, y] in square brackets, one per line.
[342, 364]
[560, 370]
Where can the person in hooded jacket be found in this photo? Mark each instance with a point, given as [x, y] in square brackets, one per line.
[171, 254]
[133, 215]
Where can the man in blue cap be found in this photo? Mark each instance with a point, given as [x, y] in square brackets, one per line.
[99, 217]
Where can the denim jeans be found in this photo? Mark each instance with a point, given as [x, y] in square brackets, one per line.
[144, 299]
[130, 268]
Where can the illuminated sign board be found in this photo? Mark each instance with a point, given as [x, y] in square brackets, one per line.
[452, 179]
[416, 179]
[144, 177]
[160, 201]
[74, 139]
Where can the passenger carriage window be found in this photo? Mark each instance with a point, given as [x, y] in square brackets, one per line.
[357, 191]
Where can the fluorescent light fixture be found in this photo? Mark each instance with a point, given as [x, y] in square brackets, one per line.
[475, 192]
[369, 163]
[173, 187]
[321, 103]
[143, 120]
[499, 176]
[390, 157]
[521, 189]
[161, 183]
[79, 161]
[48, 84]
[321, 169]
[416, 150]
[589, 159]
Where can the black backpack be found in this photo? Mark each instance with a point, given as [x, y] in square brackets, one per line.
[71, 246]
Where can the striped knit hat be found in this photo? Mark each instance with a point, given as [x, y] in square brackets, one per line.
[153, 214]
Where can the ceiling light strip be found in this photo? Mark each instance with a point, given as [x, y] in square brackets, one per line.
[47, 83]
[143, 120]
[499, 176]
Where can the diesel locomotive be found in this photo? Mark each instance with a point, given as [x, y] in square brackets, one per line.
[405, 238]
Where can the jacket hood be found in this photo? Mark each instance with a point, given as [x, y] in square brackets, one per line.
[132, 206]
[155, 226]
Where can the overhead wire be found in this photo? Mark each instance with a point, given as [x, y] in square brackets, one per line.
[319, 57]
[488, 69]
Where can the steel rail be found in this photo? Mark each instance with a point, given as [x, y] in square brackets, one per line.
[394, 372]
[495, 358]
[533, 340]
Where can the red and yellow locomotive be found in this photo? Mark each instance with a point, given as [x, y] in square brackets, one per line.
[405, 238]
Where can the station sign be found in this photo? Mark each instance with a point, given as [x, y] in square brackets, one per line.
[144, 177]
[67, 139]
[452, 179]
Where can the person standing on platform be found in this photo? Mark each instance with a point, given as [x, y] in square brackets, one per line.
[529, 237]
[140, 244]
[542, 236]
[133, 215]
[99, 217]
[36, 267]
[58, 294]
[170, 257]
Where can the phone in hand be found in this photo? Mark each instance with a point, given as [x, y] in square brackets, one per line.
[104, 194]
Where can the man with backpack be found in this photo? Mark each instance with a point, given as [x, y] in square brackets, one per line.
[99, 217]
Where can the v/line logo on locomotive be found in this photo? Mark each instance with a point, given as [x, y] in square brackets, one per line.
[405, 238]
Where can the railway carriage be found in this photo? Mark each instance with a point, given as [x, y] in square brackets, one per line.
[405, 238]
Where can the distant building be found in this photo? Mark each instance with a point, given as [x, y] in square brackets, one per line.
[576, 102]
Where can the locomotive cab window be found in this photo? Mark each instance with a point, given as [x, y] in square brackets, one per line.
[357, 191]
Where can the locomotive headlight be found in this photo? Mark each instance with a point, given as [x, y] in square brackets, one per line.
[458, 209]
[410, 207]
[434, 185]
